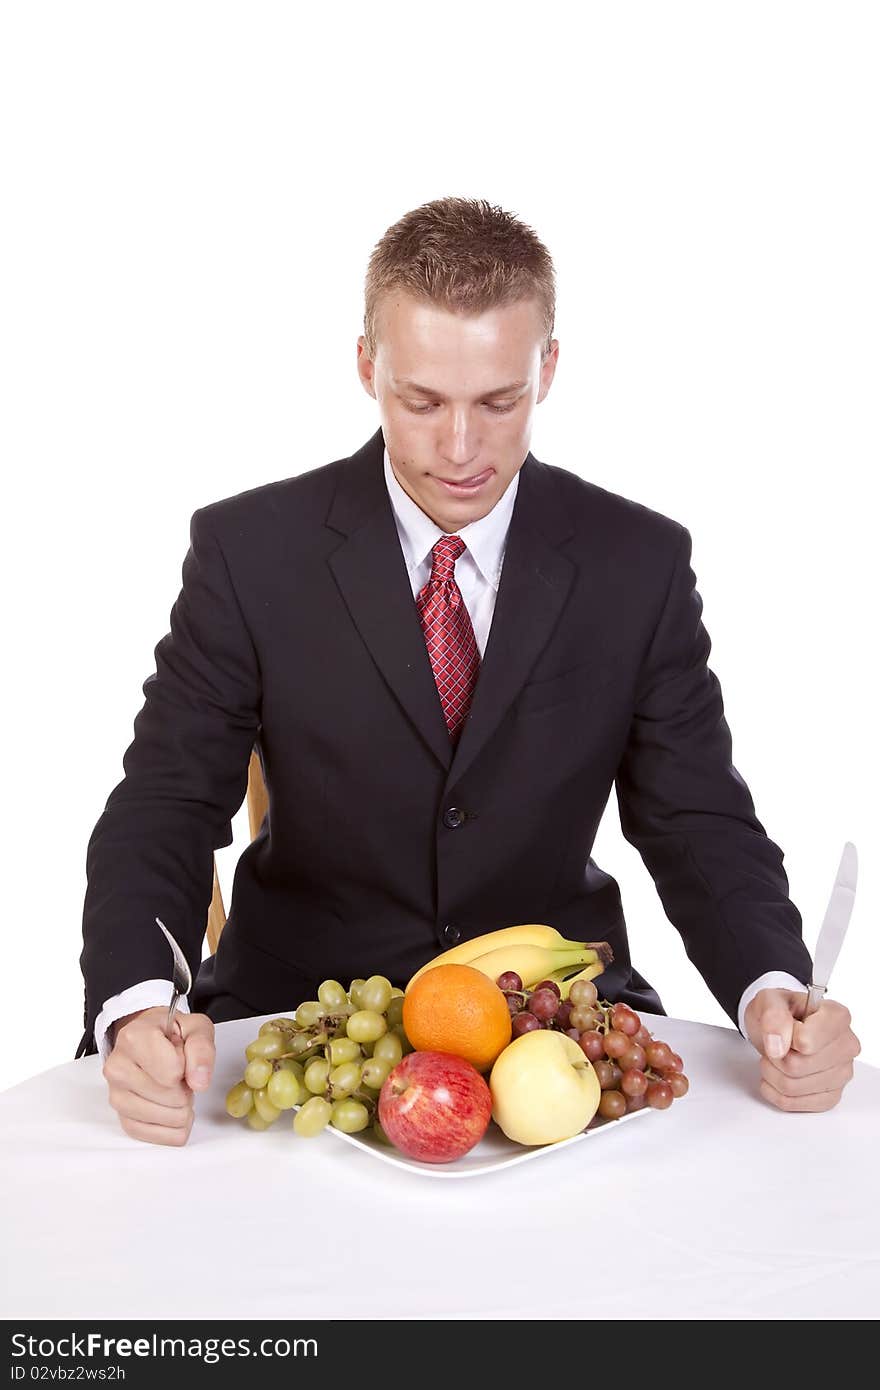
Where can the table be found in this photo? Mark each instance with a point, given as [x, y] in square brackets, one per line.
[720, 1207]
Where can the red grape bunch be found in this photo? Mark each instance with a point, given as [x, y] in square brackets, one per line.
[634, 1068]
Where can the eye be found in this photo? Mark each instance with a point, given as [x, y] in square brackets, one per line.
[424, 409]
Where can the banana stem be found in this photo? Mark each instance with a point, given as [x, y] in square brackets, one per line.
[602, 950]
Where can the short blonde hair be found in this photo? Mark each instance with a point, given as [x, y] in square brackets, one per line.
[465, 255]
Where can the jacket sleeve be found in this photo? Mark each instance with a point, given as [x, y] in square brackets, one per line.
[152, 851]
[687, 810]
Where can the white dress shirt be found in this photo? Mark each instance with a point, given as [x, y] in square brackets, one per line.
[478, 573]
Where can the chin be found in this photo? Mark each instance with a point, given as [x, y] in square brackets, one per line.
[483, 510]
[452, 524]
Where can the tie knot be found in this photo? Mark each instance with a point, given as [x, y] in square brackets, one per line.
[445, 553]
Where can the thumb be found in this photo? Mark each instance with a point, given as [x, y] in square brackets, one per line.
[197, 1031]
[776, 1024]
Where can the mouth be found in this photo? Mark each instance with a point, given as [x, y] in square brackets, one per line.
[466, 487]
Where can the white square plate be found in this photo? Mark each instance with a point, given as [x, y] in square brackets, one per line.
[494, 1150]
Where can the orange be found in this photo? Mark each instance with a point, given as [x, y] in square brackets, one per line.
[458, 1009]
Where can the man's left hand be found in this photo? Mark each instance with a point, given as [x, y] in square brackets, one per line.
[804, 1066]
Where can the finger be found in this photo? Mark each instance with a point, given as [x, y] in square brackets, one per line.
[132, 1107]
[776, 1024]
[839, 1051]
[817, 1031]
[198, 1043]
[145, 1043]
[155, 1054]
[832, 1080]
[123, 1074]
[156, 1134]
[816, 1101]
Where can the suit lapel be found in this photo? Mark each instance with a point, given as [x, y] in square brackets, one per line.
[536, 579]
[370, 571]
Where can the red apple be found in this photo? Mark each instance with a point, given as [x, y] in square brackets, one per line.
[434, 1106]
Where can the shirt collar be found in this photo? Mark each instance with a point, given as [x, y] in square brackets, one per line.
[485, 539]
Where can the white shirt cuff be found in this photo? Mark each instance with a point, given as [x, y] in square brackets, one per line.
[774, 979]
[145, 995]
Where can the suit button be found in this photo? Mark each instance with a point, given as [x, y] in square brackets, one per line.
[451, 934]
[453, 818]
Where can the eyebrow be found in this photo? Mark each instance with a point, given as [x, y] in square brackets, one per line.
[429, 391]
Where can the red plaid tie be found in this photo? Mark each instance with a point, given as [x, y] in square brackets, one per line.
[449, 636]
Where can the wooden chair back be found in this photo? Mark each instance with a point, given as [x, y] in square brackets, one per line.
[257, 805]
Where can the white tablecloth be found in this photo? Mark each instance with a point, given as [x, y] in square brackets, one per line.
[720, 1207]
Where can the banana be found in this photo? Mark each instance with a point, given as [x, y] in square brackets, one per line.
[532, 963]
[527, 934]
[565, 985]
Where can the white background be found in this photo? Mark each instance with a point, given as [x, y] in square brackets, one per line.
[191, 193]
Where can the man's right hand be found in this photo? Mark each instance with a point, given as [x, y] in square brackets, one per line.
[152, 1078]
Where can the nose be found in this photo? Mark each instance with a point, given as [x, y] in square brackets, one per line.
[461, 446]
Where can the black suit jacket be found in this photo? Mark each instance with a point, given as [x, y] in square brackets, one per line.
[295, 630]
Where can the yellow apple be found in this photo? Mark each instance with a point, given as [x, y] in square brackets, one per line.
[543, 1088]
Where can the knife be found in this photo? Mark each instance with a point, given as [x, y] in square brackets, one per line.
[833, 929]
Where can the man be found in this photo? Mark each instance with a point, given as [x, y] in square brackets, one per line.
[447, 653]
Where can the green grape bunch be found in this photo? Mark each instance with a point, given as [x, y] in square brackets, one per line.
[327, 1063]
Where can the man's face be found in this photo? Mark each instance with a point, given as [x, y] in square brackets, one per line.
[482, 377]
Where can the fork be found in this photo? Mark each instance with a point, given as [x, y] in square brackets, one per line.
[181, 978]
